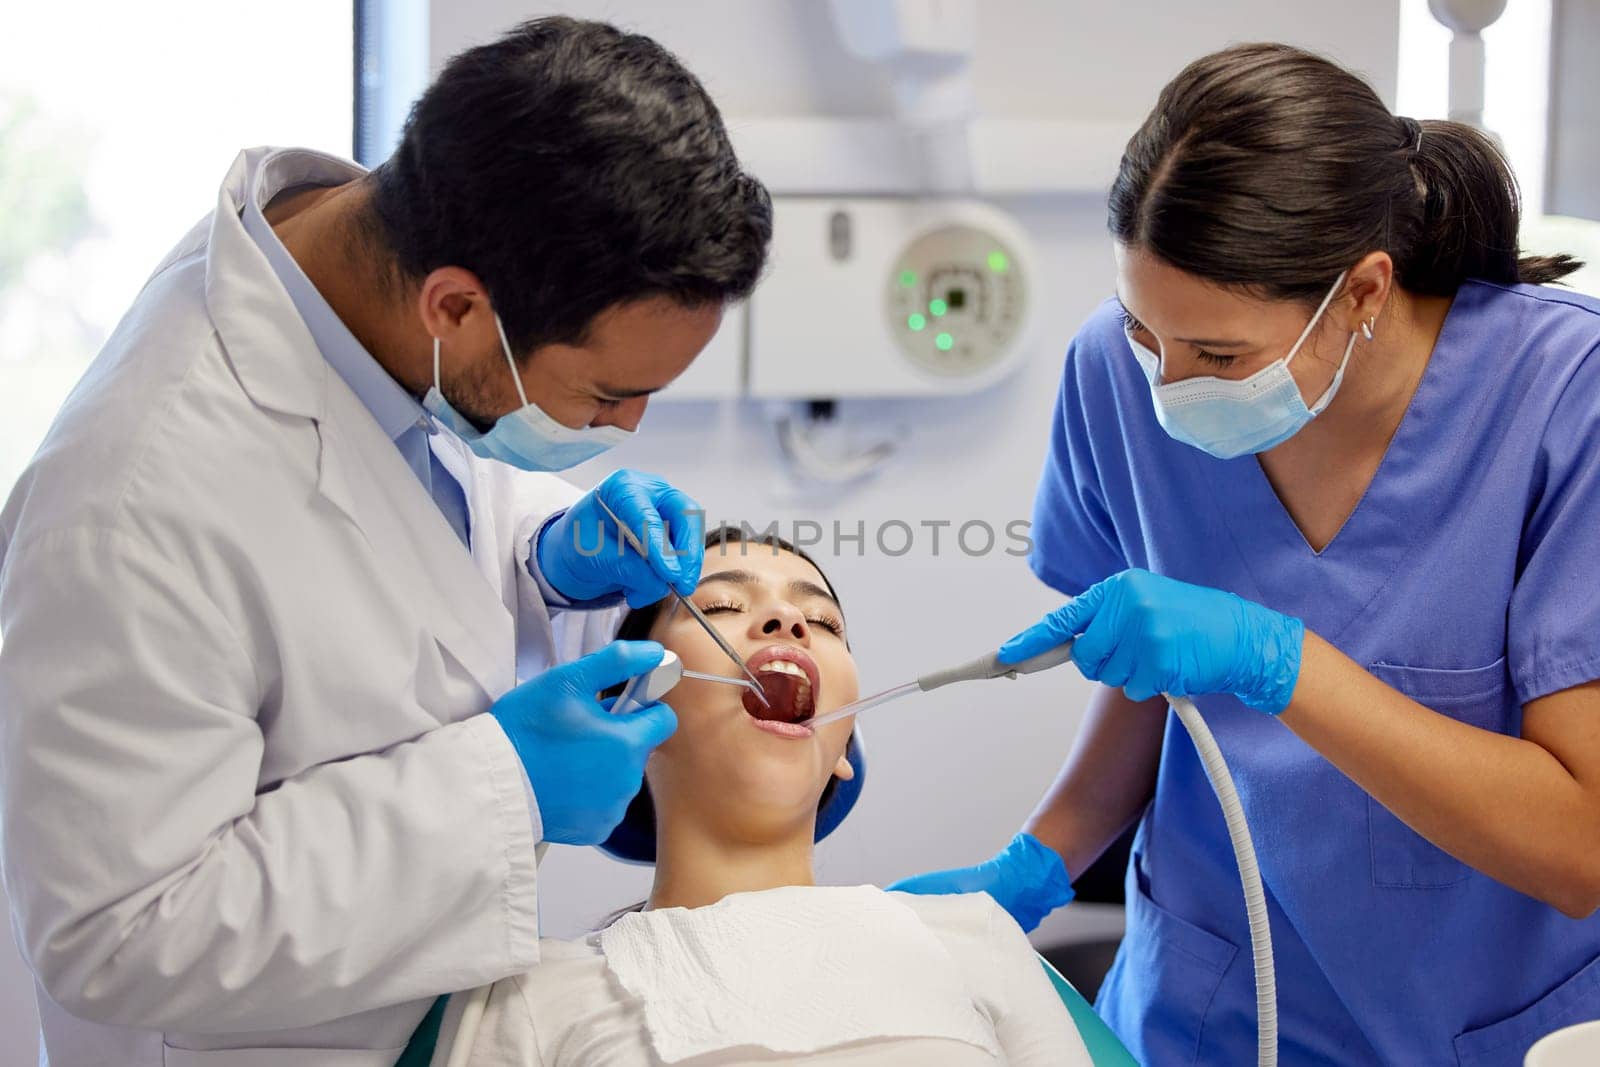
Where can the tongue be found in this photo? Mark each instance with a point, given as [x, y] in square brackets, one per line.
[783, 694]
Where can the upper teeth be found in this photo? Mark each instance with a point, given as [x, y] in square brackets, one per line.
[782, 666]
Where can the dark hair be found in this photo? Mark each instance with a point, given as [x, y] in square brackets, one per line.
[572, 167]
[1269, 168]
[636, 626]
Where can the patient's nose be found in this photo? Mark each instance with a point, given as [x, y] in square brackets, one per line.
[780, 619]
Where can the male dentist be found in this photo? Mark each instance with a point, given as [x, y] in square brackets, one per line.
[290, 685]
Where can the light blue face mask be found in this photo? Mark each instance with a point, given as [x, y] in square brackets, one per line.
[1230, 418]
[527, 437]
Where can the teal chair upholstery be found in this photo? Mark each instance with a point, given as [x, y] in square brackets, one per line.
[419, 1050]
[1104, 1048]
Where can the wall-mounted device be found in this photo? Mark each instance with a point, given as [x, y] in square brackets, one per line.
[888, 278]
[888, 297]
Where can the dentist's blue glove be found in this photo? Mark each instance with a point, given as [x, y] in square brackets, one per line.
[1027, 879]
[1146, 634]
[584, 763]
[583, 555]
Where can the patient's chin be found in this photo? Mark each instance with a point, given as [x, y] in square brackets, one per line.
[777, 778]
[775, 819]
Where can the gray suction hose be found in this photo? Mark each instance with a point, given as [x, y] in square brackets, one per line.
[1244, 855]
[990, 667]
[1244, 852]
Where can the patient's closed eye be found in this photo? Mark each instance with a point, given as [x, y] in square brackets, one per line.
[827, 622]
[830, 623]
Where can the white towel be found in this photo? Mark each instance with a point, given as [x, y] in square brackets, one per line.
[792, 971]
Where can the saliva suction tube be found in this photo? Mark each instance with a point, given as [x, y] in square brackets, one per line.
[1216, 768]
[1244, 856]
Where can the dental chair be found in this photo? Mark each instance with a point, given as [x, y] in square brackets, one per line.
[634, 841]
[1104, 1048]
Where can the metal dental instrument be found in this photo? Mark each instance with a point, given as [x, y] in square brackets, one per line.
[981, 668]
[688, 605]
[651, 686]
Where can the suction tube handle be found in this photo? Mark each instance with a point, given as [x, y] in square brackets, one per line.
[990, 667]
[651, 686]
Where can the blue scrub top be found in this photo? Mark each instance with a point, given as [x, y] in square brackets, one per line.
[1466, 578]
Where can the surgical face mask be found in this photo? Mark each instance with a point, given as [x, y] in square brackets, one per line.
[1230, 418]
[527, 437]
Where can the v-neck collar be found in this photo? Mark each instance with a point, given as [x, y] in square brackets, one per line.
[1259, 474]
[1331, 588]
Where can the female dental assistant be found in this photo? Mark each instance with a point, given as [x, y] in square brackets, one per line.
[1330, 464]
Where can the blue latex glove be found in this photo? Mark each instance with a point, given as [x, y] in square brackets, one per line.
[1027, 879]
[1147, 634]
[585, 763]
[583, 555]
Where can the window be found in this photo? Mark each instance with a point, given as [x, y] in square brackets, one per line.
[1516, 82]
[117, 124]
[391, 71]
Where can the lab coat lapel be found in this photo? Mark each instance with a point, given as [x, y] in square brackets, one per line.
[484, 535]
[359, 470]
[362, 473]
[501, 547]
[268, 345]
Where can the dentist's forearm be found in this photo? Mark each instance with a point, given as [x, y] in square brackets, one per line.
[282, 899]
[1108, 778]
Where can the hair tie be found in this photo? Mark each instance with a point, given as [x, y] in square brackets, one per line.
[1413, 133]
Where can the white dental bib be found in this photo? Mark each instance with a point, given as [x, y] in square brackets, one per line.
[793, 970]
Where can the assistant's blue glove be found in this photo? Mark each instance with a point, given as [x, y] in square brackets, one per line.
[1027, 879]
[585, 763]
[583, 555]
[1147, 634]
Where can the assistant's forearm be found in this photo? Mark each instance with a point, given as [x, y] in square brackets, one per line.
[1107, 779]
[1501, 804]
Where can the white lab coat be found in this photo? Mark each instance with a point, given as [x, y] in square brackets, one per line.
[250, 797]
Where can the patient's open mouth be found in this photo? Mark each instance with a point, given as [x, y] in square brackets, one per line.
[789, 678]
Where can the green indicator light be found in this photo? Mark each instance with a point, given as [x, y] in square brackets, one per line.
[915, 321]
[998, 262]
[938, 307]
[944, 342]
[908, 278]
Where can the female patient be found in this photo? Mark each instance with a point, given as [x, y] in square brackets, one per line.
[738, 957]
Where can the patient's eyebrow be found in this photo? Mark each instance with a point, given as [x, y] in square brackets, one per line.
[732, 577]
[799, 587]
[804, 588]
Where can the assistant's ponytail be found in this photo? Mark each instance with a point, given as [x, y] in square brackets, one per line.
[1270, 168]
[1468, 215]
